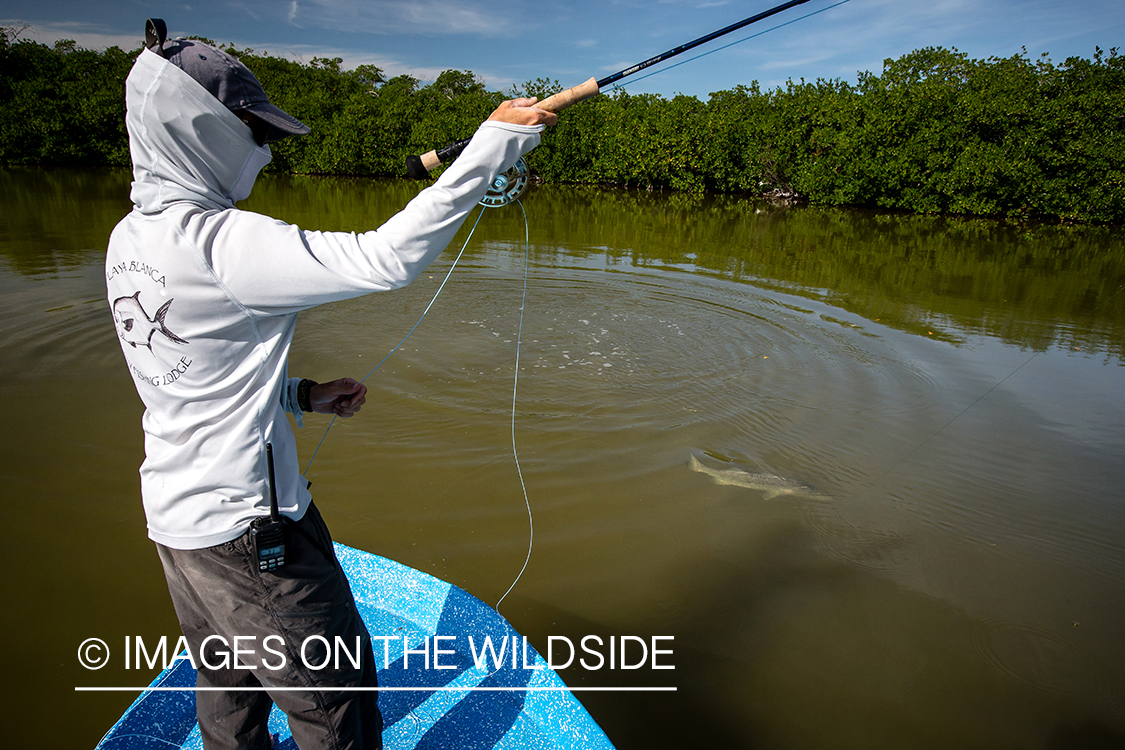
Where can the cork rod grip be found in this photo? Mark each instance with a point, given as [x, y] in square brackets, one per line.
[560, 101]
[419, 166]
[430, 160]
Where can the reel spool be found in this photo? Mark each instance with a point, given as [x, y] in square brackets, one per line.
[508, 186]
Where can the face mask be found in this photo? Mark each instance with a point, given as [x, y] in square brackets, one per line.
[259, 158]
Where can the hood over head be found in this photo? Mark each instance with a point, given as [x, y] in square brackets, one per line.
[232, 83]
[185, 144]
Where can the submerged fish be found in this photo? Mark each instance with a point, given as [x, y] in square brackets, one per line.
[769, 484]
[135, 327]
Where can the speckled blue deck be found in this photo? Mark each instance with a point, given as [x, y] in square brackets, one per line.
[398, 601]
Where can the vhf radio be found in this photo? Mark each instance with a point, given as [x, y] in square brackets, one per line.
[267, 535]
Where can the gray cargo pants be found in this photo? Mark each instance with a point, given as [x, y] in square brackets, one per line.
[294, 627]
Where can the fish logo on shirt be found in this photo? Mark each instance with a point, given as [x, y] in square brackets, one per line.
[135, 327]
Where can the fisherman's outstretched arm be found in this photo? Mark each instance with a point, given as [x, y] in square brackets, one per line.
[274, 268]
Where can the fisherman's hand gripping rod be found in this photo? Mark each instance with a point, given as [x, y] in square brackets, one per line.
[418, 167]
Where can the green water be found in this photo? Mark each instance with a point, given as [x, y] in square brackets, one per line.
[961, 585]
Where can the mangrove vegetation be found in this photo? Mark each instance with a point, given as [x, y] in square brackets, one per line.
[933, 132]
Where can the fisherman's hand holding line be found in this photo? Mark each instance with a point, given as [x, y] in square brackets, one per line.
[342, 397]
[523, 111]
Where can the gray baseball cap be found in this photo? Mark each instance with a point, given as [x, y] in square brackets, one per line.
[225, 77]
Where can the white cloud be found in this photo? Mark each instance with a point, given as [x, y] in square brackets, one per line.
[85, 35]
[422, 17]
[614, 67]
[96, 37]
[391, 66]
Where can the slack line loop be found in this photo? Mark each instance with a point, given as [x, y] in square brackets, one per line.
[515, 379]
[515, 384]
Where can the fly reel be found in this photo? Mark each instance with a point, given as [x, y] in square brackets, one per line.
[508, 186]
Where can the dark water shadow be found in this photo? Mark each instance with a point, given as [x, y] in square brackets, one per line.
[780, 647]
[688, 717]
[1091, 735]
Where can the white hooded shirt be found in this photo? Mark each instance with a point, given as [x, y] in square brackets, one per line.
[205, 298]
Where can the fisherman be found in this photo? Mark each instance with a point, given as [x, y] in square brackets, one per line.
[205, 300]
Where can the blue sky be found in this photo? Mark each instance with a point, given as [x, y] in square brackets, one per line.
[512, 41]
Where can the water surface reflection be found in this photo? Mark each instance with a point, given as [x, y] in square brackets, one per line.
[961, 587]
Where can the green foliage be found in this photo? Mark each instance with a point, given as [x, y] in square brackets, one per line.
[362, 123]
[938, 132]
[62, 104]
[935, 132]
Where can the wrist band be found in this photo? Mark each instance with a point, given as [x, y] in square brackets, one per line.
[304, 391]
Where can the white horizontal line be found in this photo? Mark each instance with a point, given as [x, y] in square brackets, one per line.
[161, 689]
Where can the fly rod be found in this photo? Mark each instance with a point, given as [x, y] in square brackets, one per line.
[418, 167]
